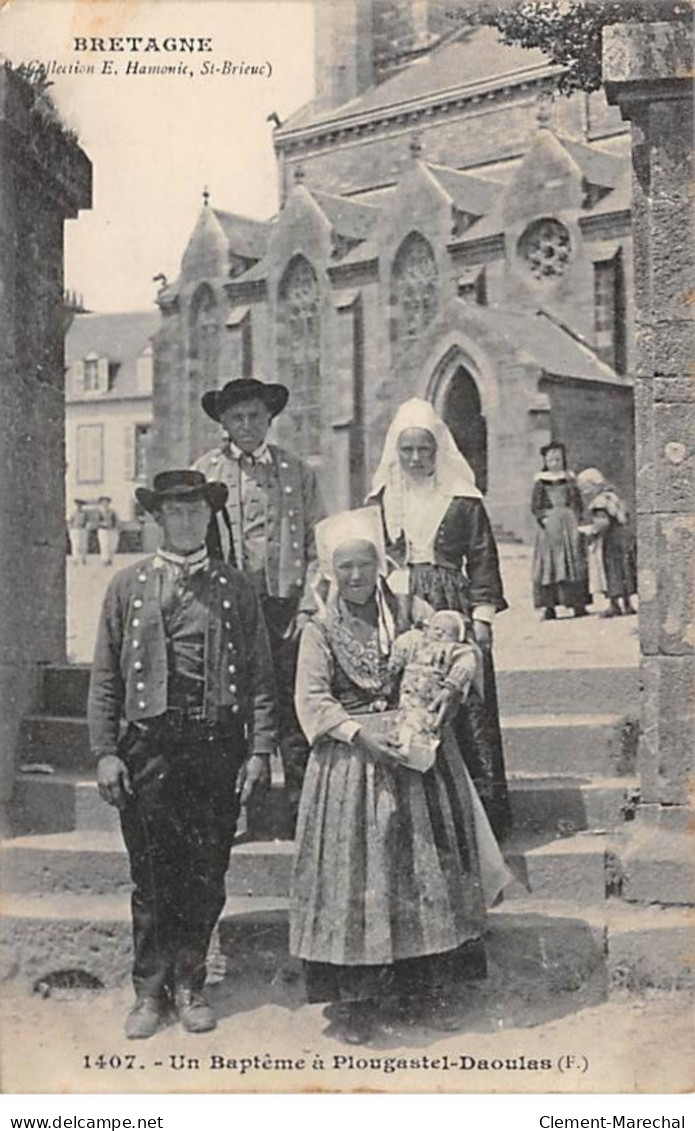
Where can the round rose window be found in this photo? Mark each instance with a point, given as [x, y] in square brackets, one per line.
[545, 247]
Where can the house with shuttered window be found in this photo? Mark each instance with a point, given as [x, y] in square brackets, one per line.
[108, 417]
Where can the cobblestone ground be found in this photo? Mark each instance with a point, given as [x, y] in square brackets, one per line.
[521, 640]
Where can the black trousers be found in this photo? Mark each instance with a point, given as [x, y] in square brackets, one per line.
[294, 748]
[178, 828]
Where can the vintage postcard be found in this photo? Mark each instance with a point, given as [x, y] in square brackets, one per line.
[324, 762]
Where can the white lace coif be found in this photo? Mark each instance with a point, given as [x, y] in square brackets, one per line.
[410, 506]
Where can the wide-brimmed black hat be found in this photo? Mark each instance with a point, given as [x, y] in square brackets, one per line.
[217, 401]
[184, 484]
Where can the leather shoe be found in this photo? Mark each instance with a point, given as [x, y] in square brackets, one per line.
[144, 1018]
[194, 1012]
[354, 1023]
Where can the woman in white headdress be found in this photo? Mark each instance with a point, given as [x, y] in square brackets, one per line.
[438, 531]
[393, 868]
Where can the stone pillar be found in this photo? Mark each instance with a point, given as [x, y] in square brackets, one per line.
[648, 71]
[44, 178]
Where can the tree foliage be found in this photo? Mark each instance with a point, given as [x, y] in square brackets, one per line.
[569, 31]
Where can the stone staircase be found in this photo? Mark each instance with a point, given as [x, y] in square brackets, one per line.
[570, 750]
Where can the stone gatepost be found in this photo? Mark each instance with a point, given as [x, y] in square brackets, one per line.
[44, 179]
[648, 72]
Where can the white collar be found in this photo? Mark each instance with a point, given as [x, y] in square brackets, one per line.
[192, 563]
[260, 455]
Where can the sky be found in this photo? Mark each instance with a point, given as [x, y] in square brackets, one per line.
[156, 141]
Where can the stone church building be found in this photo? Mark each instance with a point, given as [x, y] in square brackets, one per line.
[449, 227]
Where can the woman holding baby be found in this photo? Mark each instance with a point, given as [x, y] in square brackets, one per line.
[395, 860]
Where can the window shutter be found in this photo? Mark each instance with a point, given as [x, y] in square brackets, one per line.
[129, 451]
[103, 371]
[144, 369]
[76, 379]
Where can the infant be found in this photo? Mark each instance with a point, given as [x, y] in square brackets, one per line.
[429, 660]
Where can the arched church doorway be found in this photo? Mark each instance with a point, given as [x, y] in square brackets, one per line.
[462, 412]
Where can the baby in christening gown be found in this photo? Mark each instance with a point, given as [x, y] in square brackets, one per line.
[429, 660]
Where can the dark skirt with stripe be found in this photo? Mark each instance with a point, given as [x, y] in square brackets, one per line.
[386, 870]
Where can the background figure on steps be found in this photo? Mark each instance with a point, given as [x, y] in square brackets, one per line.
[77, 528]
[611, 540]
[560, 568]
[107, 532]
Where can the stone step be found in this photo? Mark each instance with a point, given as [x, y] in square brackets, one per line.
[93, 933]
[576, 868]
[576, 745]
[562, 946]
[642, 946]
[59, 803]
[556, 804]
[562, 805]
[600, 690]
[568, 691]
[95, 862]
[572, 744]
[64, 689]
[59, 741]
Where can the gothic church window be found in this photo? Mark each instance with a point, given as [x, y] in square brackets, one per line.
[204, 339]
[545, 247]
[609, 312]
[299, 360]
[414, 291]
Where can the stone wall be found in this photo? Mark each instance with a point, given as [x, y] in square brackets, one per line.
[648, 70]
[597, 424]
[44, 179]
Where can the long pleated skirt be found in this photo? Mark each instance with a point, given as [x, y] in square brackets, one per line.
[560, 568]
[389, 864]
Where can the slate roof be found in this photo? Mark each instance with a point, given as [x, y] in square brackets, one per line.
[120, 338]
[347, 217]
[599, 167]
[247, 238]
[557, 351]
[477, 55]
[468, 193]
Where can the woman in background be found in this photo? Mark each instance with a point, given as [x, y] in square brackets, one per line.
[560, 568]
[612, 551]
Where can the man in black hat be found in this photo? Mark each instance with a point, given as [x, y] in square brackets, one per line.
[273, 505]
[182, 655]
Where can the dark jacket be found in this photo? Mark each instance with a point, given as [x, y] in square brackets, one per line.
[130, 674]
[464, 541]
[541, 502]
[294, 508]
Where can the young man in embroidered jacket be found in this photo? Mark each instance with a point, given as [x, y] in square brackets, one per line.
[182, 655]
[267, 530]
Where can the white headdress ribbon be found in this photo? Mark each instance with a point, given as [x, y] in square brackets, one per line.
[453, 475]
